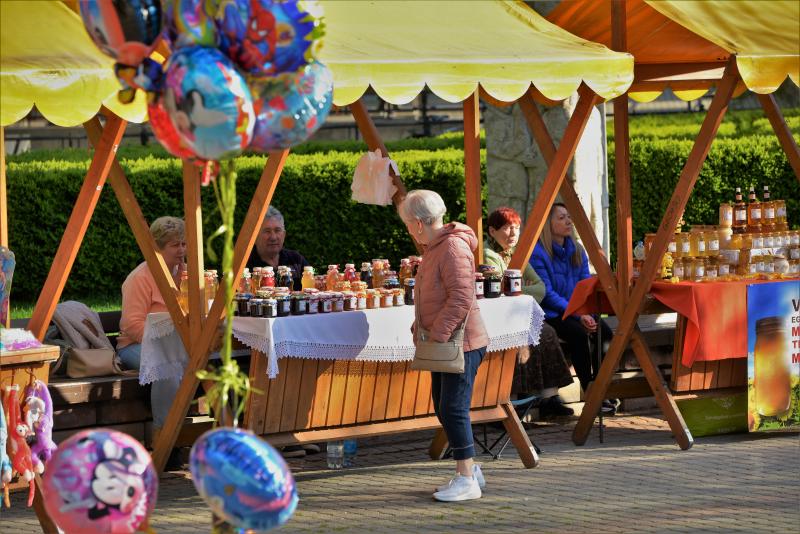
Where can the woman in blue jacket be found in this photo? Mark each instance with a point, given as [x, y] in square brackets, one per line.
[561, 263]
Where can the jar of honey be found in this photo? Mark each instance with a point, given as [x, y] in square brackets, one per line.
[771, 369]
[758, 240]
[712, 242]
[682, 244]
[769, 239]
[723, 268]
[711, 269]
[697, 243]
[794, 238]
[677, 269]
[725, 215]
[512, 282]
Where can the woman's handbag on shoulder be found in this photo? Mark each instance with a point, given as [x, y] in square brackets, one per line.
[430, 355]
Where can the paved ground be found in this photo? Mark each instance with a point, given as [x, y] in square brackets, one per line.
[637, 481]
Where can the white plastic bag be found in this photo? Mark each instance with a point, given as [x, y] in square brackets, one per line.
[372, 183]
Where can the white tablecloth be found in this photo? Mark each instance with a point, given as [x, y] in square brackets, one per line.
[370, 335]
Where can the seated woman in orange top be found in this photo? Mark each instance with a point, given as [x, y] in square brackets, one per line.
[141, 296]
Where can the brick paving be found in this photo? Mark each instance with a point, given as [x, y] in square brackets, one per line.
[637, 481]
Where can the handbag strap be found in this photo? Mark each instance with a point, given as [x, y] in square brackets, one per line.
[418, 323]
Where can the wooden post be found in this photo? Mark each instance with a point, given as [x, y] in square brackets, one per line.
[197, 304]
[555, 176]
[141, 232]
[3, 193]
[472, 170]
[627, 323]
[783, 132]
[622, 163]
[105, 151]
[198, 358]
[608, 283]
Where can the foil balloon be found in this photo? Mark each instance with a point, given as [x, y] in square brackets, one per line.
[268, 37]
[191, 23]
[126, 31]
[244, 480]
[100, 481]
[291, 107]
[164, 131]
[208, 103]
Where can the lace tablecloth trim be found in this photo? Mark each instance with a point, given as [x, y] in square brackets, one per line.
[162, 371]
[160, 328]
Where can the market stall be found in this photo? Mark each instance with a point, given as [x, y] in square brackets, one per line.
[687, 46]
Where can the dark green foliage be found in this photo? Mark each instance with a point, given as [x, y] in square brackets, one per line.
[313, 194]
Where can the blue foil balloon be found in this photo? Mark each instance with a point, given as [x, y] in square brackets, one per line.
[191, 23]
[126, 31]
[267, 37]
[243, 479]
[291, 107]
[208, 103]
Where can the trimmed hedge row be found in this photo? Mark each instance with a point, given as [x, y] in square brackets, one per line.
[739, 123]
[313, 194]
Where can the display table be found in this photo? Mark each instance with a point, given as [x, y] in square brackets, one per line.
[347, 374]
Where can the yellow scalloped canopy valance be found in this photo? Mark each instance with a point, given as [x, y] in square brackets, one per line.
[765, 36]
[399, 47]
[48, 60]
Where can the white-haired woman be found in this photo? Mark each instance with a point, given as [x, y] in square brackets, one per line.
[445, 296]
[141, 296]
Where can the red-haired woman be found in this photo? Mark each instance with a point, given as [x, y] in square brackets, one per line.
[542, 369]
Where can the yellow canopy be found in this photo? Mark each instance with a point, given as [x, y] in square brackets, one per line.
[47, 59]
[765, 36]
[399, 47]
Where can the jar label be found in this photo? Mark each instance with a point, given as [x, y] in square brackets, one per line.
[769, 267]
[700, 271]
[713, 244]
[782, 212]
[727, 217]
[285, 306]
[795, 239]
[760, 267]
[769, 213]
[326, 306]
[741, 215]
[479, 288]
[724, 269]
[353, 302]
[494, 287]
[756, 213]
[677, 270]
[671, 247]
[701, 246]
[516, 285]
[338, 305]
[398, 300]
[685, 247]
[387, 301]
[758, 242]
[711, 273]
[794, 253]
[752, 268]
[362, 303]
[769, 242]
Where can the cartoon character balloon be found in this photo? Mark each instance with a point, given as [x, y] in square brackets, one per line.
[291, 107]
[243, 479]
[208, 103]
[127, 31]
[100, 481]
[191, 23]
[268, 37]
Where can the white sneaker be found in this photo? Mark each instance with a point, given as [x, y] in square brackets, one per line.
[461, 488]
[476, 470]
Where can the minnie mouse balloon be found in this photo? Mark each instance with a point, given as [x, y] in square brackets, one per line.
[268, 37]
[243, 479]
[191, 23]
[100, 481]
[208, 103]
[127, 31]
[291, 107]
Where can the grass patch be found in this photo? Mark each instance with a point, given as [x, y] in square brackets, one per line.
[23, 310]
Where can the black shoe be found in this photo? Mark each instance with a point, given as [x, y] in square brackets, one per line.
[175, 461]
[293, 451]
[554, 407]
[609, 406]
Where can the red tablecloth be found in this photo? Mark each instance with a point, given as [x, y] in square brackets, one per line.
[716, 315]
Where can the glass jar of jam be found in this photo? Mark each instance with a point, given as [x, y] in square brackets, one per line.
[242, 308]
[479, 285]
[361, 296]
[270, 308]
[337, 301]
[256, 307]
[373, 299]
[350, 301]
[410, 283]
[325, 302]
[299, 303]
[284, 305]
[398, 296]
[512, 282]
[491, 284]
[387, 298]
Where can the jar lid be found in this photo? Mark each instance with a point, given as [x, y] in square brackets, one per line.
[270, 301]
[410, 282]
[310, 291]
[513, 272]
[479, 275]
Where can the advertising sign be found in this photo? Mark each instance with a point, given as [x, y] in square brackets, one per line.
[773, 361]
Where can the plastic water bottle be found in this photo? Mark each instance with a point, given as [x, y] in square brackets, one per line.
[350, 451]
[335, 454]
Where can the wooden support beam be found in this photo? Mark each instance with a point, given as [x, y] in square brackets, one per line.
[627, 323]
[105, 150]
[193, 219]
[595, 251]
[373, 139]
[3, 192]
[198, 359]
[782, 131]
[555, 176]
[670, 72]
[141, 232]
[472, 170]
[622, 163]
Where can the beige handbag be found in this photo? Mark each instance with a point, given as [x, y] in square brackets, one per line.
[86, 363]
[447, 357]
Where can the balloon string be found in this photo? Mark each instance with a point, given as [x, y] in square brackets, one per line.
[231, 385]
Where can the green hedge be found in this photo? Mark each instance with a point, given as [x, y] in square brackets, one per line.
[740, 123]
[656, 165]
[313, 193]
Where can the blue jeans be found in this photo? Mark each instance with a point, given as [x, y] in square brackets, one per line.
[162, 392]
[452, 397]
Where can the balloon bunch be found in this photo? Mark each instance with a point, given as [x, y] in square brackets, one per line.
[241, 74]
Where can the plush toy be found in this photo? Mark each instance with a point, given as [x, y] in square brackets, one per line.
[18, 447]
[5, 463]
[39, 418]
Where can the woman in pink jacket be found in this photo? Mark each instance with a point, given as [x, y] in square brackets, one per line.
[445, 295]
